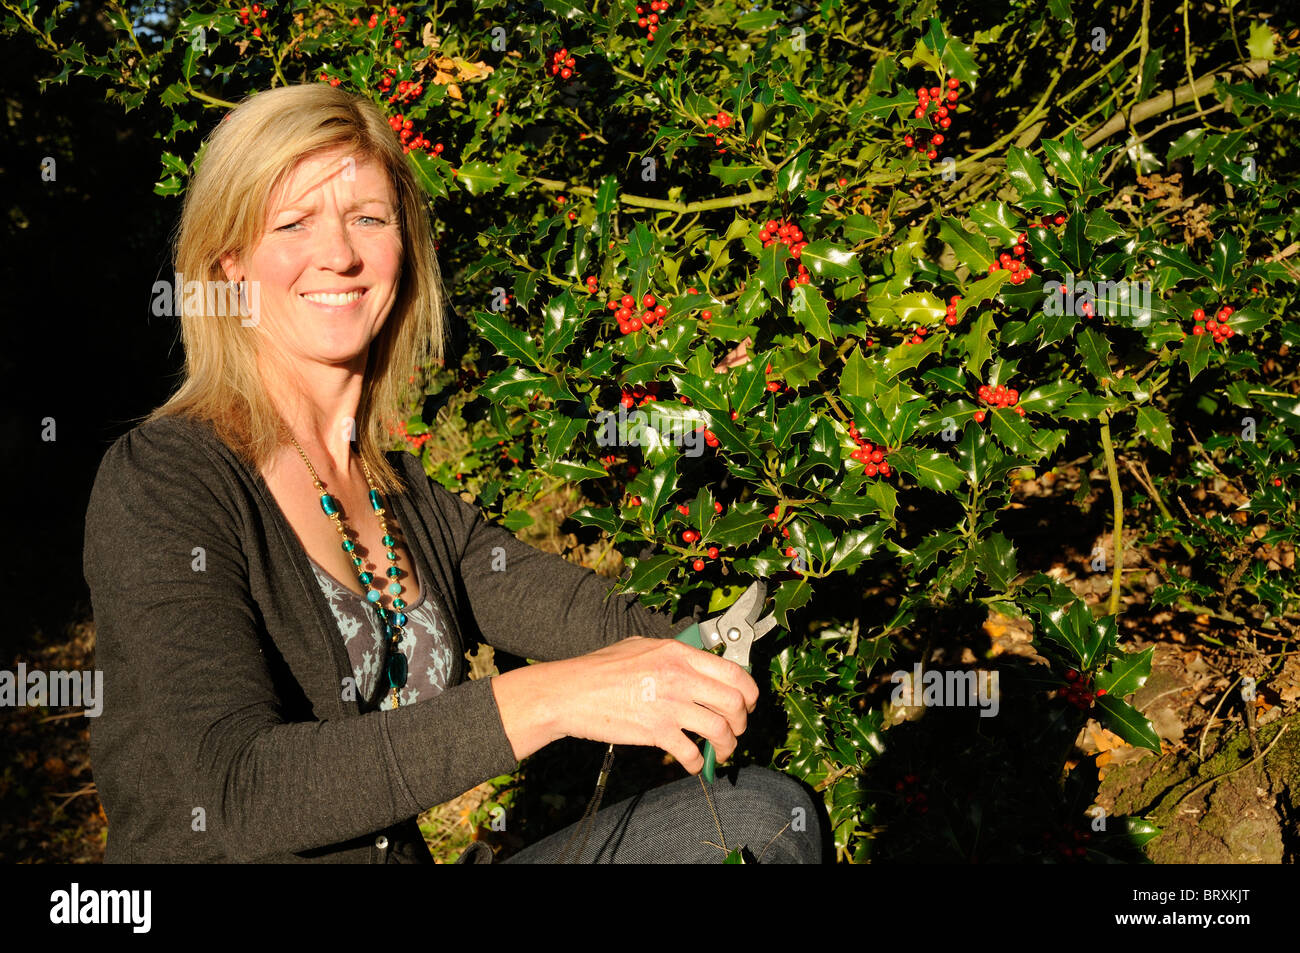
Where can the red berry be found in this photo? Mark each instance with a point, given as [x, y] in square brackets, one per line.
[953, 83]
[713, 552]
[791, 551]
[979, 416]
[698, 564]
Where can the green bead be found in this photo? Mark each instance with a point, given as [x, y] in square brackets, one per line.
[376, 500]
[394, 571]
[401, 618]
[382, 613]
[356, 560]
[365, 578]
[349, 545]
[397, 603]
[392, 556]
[397, 671]
[328, 505]
[389, 541]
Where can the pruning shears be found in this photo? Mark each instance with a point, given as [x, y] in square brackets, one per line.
[735, 630]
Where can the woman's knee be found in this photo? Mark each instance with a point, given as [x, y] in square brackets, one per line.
[782, 814]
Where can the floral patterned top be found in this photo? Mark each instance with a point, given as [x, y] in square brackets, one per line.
[426, 643]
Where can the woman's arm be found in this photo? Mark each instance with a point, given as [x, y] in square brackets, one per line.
[535, 604]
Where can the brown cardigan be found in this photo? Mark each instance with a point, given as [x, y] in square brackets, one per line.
[225, 736]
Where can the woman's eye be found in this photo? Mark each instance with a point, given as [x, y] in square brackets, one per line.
[290, 226]
[371, 218]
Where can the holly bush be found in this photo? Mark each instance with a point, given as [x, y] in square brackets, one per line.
[805, 293]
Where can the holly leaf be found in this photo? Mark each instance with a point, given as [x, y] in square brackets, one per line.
[1036, 190]
[971, 250]
[825, 259]
[1126, 674]
[1154, 426]
[1127, 722]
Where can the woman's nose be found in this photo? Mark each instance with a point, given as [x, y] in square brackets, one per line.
[335, 249]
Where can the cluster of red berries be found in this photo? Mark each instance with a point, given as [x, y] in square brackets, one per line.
[1068, 842]
[722, 120]
[1013, 261]
[255, 11]
[782, 232]
[776, 387]
[705, 315]
[630, 470]
[998, 396]
[649, 21]
[506, 453]
[639, 394]
[710, 438]
[950, 318]
[406, 91]
[629, 322]
[410, 138]
[775, 517]
[872, 457]
[1078, 692]
[392, 21]
[563, 65]
[913, 796]
[944, 102]
[690, 536]
[415, 440]
[1217, 325]
[918, 334]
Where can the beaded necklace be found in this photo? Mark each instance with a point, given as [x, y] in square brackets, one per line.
[393, 619]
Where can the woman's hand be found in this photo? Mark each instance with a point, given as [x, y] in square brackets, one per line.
[638, 691]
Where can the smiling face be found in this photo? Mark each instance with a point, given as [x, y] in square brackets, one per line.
[328, 262]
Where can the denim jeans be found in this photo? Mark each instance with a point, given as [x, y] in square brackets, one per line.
[761, 809]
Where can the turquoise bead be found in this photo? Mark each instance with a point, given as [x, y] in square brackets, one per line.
[388, 631]
[376, 500]
[397, 671]
[395, 588]
[328, 505]
[382, 613]
[389, 541]
[401, 618]
[392, 556]
[397, 603]
[372, 596]
[349, 545]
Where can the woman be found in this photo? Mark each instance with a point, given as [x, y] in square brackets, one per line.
[281, 606]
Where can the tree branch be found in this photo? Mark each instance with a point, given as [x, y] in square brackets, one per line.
[1168, 100]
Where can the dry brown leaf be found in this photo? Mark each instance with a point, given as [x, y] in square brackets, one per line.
[735, 357]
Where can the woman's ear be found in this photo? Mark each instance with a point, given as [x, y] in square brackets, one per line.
[230, 265]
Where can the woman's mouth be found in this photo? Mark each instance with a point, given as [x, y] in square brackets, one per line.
[334, 299]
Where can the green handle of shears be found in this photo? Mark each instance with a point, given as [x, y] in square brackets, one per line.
[691, 636]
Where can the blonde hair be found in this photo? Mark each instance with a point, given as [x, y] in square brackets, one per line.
[239, 167]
